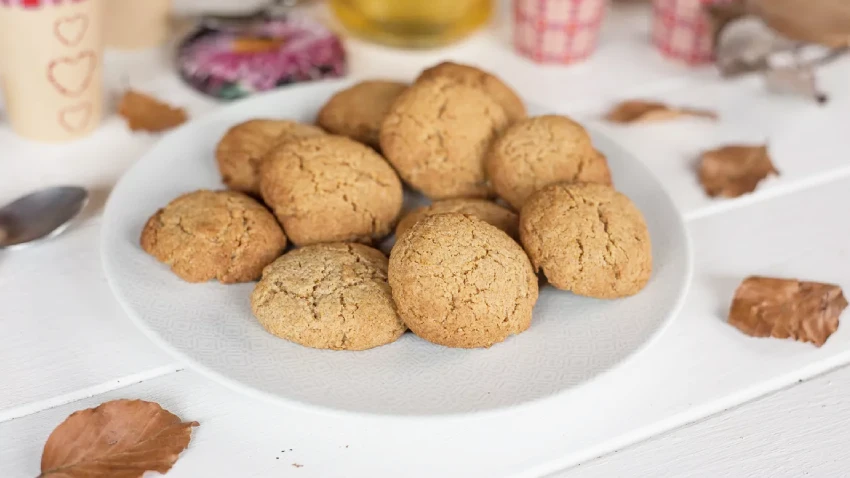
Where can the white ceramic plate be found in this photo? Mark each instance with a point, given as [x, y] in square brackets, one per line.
[210, 326]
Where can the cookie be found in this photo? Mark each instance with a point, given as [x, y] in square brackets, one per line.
[357, 112]
[587, 238]
[493, 86]
[330, 188]
[328, 296]
[487, 211]
[460, 282]
[539, 151]
[242, 148]
[436, 135]
[205, 235]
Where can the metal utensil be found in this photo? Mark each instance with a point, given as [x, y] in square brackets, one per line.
[40, 215]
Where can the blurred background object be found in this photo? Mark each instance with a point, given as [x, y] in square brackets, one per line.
[229, 57]
[825, 22]
[785, 40]
[557, 31]
[681, 29]
[412, 23]
[136, 24]
[51, 67]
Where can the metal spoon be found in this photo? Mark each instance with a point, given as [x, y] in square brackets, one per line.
[40, 215]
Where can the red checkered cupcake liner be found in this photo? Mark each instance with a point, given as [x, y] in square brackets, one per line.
[681, 29]
[557, 31]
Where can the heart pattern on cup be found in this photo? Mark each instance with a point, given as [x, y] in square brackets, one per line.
[71, 75]
[71, 30]
[75, 118]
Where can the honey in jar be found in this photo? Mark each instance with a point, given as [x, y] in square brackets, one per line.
[412, 23]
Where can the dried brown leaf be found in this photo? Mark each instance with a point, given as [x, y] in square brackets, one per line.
[146, 113]
[731, 171]
[787, 308]
[118, 439]
[638, 111]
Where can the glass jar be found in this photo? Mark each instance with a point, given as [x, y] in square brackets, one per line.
[412, 23]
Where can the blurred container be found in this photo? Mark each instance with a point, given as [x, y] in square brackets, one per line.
[681, 29]
[51, 67]
[412, 23]
[136, 24]
[229, 59]
[557, 31]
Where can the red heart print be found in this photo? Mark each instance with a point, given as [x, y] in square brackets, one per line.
[71, 30]
[71, 75]
[75, 118]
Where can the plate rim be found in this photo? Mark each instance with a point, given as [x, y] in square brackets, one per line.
[307, 406]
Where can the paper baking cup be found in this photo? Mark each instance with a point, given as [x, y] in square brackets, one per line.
[681, 29]
[51, 54]
[557, 31]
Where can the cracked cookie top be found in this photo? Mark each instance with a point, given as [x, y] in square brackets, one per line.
[587, 238]
[357, 112]
[488, 211]
[540, 151]
[460, 282]
[330, 188]
[436, 136]
[205, 235]
[328, 296]
[490, 84]
[241, 150]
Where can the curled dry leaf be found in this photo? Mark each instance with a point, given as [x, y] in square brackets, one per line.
[731, 171]
[637, 111]
[118, 439]
[146, 113]
[787, 308]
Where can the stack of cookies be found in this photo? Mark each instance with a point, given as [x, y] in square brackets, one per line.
[512, 196]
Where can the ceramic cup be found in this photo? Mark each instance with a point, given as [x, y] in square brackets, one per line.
[137, 24]
[557, 31]
[51, 67]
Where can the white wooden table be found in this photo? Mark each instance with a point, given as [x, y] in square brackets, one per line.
[66, 345]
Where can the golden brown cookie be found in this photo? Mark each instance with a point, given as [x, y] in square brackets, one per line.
[328, 296]
[587, 238]
[330, 188]
[242, 148]
[357, 112]
[460, 282]
[483, 209]
[493, 86]
[436, 136]
[539, 151]
[223, 235]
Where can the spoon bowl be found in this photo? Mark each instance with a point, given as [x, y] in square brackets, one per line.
[40, 215]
